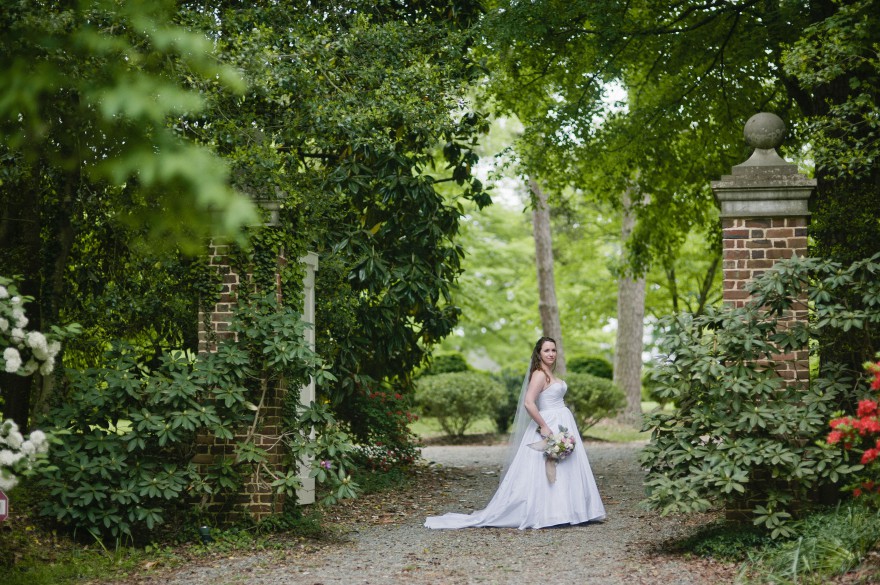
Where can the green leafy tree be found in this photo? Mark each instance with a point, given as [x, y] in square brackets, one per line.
[814, 64]
[356, 112]
[89, 89]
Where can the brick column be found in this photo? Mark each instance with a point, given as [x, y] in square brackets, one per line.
[256, 500]
[764, 217]
[214, 325]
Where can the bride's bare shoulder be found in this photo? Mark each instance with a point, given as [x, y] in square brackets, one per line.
[542, 376]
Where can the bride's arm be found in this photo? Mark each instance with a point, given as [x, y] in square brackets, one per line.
[536, 386]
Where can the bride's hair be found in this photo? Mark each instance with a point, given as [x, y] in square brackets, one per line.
[536, 356]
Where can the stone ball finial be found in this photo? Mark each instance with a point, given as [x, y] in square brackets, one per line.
[764, 130]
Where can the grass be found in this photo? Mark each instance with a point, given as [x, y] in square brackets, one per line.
[428, 428]
[43, 559]
[830, 543]
[32, 552]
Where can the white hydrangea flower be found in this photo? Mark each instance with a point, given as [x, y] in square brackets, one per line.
[27, 448]
[7, 458]
[30, 367]
[4, 294]
[14, 439]
[40, 441]
[7, 480]
[4, 325]
[16, 300]
[17, 335]
[6, 427]
[54, 348]
[20, 320]
[12, 359]
[47, 366]
[37, 342]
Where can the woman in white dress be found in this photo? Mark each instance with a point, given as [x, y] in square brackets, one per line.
[525, 497]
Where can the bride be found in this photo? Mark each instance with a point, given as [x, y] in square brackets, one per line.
[525, 497]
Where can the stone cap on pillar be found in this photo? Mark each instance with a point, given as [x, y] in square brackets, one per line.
[765, 185]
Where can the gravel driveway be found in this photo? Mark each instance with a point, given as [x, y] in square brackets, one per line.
[395, 548]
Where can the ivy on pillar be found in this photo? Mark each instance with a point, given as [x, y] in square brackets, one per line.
[764, 218]
[256, 499]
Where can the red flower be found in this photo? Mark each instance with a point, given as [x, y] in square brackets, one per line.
[857, 492]
[869, 425]
[869, 456]
[866, 408]
[875, 383]
[834, 437]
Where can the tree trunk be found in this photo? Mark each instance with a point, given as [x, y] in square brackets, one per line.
[630, 329]
[547, 305]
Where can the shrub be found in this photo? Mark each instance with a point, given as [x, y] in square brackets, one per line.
[23, 353]
[651, 387]
[125, 464]
[861, 434]
[740, 437]
[592, 398]
[385, 441]
[593, 365]
[725, 541]
[445, 363]
[506, 409]
[457, 399]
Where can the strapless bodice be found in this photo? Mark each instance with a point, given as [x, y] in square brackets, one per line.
[552, 396]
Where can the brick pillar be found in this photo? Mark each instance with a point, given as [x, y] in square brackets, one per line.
[214, 326]
[256, 499]
[764, 217]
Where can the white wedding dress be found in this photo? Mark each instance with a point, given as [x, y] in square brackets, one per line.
[525, 498]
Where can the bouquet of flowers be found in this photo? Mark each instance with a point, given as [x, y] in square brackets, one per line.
[556, 447]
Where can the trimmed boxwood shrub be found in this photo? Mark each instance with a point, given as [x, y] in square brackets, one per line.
[506, 410]
[593, 365]
[592, 398]
[457, 399]
[445, 363]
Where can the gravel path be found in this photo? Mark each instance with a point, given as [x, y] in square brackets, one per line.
[622, 550]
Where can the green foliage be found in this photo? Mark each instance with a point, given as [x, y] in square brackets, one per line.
[592, 398]
[125, 466]
[725, 541]
[497, 289]
[444, 363]
[841, 50]
[355, 115]
[668, 119]
[505, 411]
[88, 89]
[593, 365]
[380, 421]
[740, 437]
[458, 399]
[828, 543]
[651, 387]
